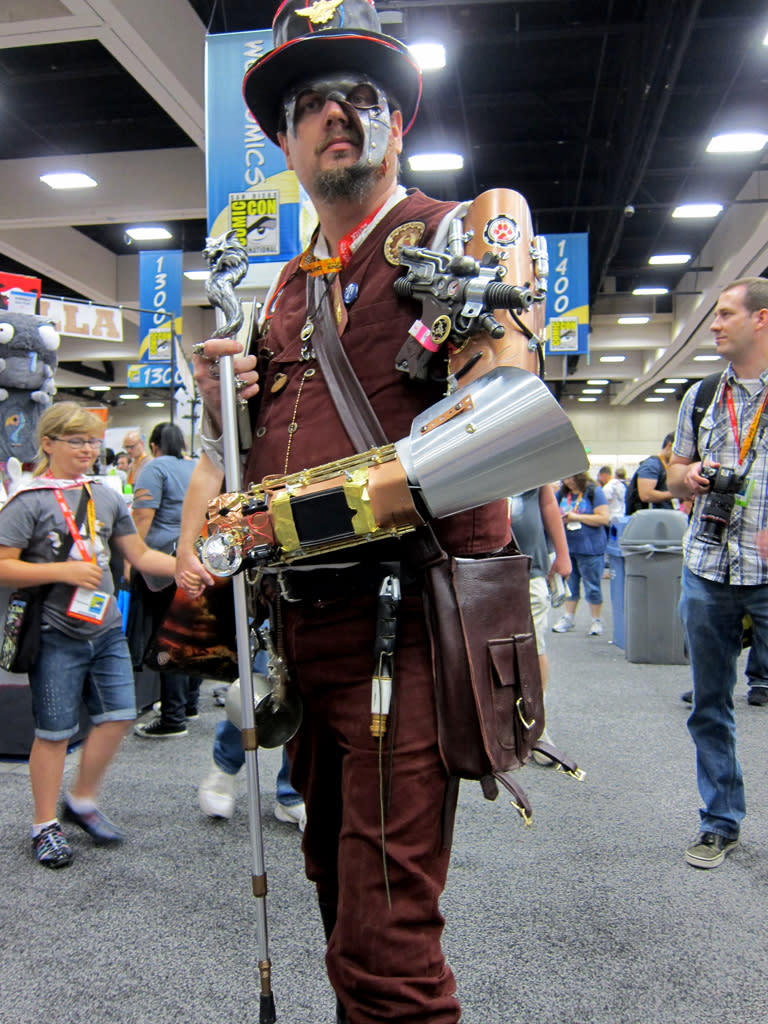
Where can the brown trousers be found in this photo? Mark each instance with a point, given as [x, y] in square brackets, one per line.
[384, 961]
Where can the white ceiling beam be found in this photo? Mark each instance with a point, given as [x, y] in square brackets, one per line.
[162, 45]
[161, 184]
[68, 256]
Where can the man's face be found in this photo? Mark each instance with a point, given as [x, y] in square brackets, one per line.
[133, 446]
[603, 477]
[325, 139]
[733, 326]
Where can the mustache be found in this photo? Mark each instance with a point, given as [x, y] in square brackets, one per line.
[351, 136]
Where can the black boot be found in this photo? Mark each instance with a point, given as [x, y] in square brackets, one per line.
[328, 914]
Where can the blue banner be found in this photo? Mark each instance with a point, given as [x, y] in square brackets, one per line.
[249, 189]
[152, 375]
[160, 280]
[567, 331]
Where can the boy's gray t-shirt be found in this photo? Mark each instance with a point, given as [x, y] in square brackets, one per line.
[33, 522]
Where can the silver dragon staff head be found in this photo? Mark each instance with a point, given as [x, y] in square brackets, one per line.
[228, 262]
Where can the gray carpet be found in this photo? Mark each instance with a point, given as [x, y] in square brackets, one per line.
[590, 916]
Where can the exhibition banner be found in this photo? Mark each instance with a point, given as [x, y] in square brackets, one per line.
[83, 319]
[19, 293]
[567, 309]
[248, 187]
[160, 280]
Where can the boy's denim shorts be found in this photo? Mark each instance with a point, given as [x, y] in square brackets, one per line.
[69, 670]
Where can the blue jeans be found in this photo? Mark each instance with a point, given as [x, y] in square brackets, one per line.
[229, 756]
[712, 616]
[587, 569]
[69, 670]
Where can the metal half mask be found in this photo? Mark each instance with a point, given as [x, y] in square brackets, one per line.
[363, 101]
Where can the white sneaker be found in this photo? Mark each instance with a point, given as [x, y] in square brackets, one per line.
[564, 625]
[292, 814]
[217, 794]
[596, 629]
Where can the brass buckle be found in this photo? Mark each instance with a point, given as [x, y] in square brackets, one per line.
[519, 704]
[574, 773]
[527, 818]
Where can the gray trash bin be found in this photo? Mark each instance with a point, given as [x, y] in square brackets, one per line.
[652, 546]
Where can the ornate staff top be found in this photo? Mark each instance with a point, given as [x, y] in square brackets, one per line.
[228, 261]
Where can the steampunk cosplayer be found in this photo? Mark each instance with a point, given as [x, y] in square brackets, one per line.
[394, 404]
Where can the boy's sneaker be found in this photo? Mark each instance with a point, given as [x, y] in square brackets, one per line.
[158, 730]
[709, 850]
[292, 814]
[95, 823]
[596, 629]
[51, 847]
[564, 625]
[216, 794]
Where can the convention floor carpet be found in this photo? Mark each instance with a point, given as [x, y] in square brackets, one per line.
[590, 916]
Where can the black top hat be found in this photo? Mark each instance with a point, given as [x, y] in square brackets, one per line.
[313, 37]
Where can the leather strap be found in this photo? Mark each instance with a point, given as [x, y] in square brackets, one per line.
[355, 411]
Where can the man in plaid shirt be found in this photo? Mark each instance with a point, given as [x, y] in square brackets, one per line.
[725, 575]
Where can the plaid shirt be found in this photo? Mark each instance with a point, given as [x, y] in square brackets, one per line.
[736, 561]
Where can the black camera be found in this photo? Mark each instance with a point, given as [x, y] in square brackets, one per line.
[724, 485]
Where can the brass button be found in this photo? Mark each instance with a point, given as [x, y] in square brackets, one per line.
[278, 383]
[261, 432]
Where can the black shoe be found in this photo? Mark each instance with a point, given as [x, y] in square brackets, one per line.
[97, 825]
[157, 729]
[687, 697]
[757, 696]
[191, 713]
[51, 847]
[709, 850]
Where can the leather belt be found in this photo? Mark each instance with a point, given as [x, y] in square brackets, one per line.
[328, 584]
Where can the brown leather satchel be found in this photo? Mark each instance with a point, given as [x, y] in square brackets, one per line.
[490, 704]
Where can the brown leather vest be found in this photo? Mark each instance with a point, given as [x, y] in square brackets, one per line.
[297, 425]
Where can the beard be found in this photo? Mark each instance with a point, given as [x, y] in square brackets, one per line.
[352, 184]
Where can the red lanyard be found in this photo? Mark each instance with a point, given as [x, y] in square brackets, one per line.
[747, 444]
[72, 525]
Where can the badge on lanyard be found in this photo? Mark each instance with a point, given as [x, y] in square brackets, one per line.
[90, 605]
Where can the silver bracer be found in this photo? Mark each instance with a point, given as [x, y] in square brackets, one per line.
[502, 434]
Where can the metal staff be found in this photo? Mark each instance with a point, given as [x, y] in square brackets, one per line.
[228, 262]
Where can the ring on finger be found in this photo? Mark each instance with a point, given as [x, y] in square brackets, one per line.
[198, 349]
[213, 369]
[240, 383]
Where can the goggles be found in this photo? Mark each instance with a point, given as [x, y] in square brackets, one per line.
[355, 93]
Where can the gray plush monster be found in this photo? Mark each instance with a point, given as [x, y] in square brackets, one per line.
[28, 347]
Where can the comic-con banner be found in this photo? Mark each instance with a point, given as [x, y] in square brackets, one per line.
[567, 330]
[160, 281]
[249, 189]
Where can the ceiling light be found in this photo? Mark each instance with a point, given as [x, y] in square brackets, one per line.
[197, 275]
[612, 359]
[633, 320]
[705, 359]
[155, 405]
[688, 210]
[765, 39]
[436, 162]
[737, 142]
[130, 398]
[676, 380]
[591, 391]
[68, 179]
[655, 399]
[148, 234]
[664, 391]
[596, 381]
[650, 291]
[99, 387]
[429, 56]
[586, 399]
[669, 259]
